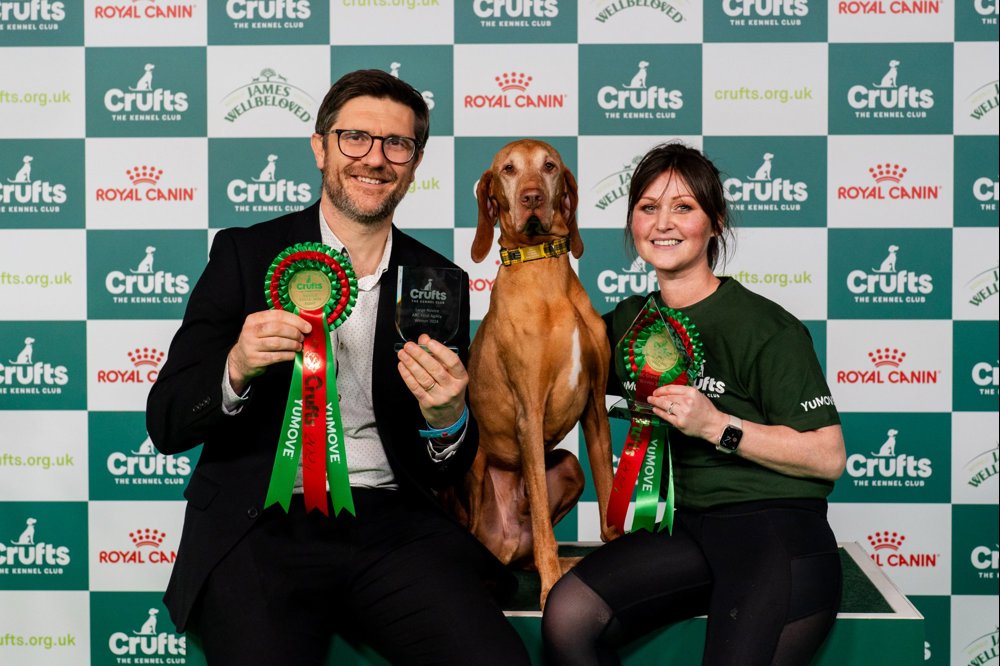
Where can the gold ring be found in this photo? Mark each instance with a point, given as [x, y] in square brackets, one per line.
[428, 388]
[670, 409]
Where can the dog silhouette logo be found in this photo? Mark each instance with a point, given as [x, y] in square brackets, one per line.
[146, 265]
[145, 82]
[394, 69]
[638, 266]
[429, 285]
[27, 537]
[888, 448]
[267, 174]
[23, 174]
[146, 448]
[889, 263]
[24, 357]
[148, 627]
[639, 80]
[889, 80]
[764, 170]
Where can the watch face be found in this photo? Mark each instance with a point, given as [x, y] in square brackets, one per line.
[731, 438]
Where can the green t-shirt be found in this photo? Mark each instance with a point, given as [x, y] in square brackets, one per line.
[760, 365]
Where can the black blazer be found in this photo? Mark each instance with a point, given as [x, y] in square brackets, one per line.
[227, 490]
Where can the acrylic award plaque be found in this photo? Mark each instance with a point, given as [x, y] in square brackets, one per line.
[428, 300]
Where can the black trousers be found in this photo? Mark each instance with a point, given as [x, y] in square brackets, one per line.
[400, 577]
[767, 574]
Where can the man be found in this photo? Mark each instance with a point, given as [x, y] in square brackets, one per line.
[259, 586]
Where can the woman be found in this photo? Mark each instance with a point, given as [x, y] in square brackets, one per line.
[751, 546]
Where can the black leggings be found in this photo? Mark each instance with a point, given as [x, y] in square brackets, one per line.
[766, 573]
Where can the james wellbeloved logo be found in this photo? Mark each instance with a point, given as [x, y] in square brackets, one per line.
[635, 92]
[888, 550]
[773, 181]
[153, 284]
[981, 650]
[138, 92]
[983, 286]
[269, 89]
[256, 179]
[521, 21]
[906, 275]
[42, 546]
[982, 103]
[983, 466]
[145, 185]
[604, 11]
[614, 186]
[513, 91]
[887, 366]
[891, 89]
[40, 364]
[150, 10]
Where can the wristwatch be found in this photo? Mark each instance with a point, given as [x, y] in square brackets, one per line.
[731, 436]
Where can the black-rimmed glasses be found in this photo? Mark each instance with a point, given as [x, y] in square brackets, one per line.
[358, 143]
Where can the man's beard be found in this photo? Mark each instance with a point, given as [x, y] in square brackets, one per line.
[342, 201]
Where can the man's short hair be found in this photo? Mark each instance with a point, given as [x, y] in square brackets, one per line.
[374, 83]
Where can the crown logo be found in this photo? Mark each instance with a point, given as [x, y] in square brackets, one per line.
[513, 81]
[148, 175]
[886, 356]
[887, 172]
[145, 356]
[886, 540]
[147, 537]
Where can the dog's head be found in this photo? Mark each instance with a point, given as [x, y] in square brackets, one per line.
[768, 156]
[893, 249]
[29, 341]
[27, 159]
[30, 521]
[892, 432]
[533, 196]
[893, 63]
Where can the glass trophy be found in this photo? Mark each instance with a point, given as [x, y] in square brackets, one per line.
[428, 300]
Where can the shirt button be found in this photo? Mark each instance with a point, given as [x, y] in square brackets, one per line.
[252, 512]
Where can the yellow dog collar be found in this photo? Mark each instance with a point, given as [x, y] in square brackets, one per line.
[545, 250]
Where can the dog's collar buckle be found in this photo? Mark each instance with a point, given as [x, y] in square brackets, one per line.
[545, 250]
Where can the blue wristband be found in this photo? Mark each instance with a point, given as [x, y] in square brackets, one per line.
[450, 431]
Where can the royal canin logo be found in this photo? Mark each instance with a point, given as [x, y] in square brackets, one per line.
[887, 362]
[893, 7]
[888, 177]
[145, 367]
[514, 95]
[887, 546]
[145, 181]
[147, 549]
[480, 285]
[150, 10]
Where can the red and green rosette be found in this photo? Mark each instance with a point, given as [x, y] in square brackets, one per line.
[661, 347]
[313, 281]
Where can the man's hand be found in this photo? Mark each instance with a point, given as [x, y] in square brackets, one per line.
[436, 378]
[268, 337]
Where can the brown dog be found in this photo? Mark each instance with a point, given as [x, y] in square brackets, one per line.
[538, 364]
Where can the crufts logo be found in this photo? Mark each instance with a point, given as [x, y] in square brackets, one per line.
[516, 13]
[249, 10]
[145, 366]
[765, 12]
[147, 467]
[144, 285]
[24, 375]
[888, 468]
[888, 177]
[426, 94]
[25, 194]
[145, 181]
[887, 99]
[147, 550]
[986, 376]
[428, 294]
[12, 12]
[887, 361]
[269, 90]
[635, 279]
[762, 191]
[889, 284]
[887, 546]
[986, 560]
[514, 94]
[148, 641]
[986, 190]
[29, 555]
[143, 102]
[636, 99]
[151, 9]
[268, 193]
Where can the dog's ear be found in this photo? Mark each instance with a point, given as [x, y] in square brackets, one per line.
[569, 202]
[487, 217]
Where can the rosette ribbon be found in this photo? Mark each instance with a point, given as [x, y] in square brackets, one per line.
[310, 280]
[661, 347]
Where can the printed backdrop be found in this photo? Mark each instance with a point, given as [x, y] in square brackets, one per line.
[859, 144]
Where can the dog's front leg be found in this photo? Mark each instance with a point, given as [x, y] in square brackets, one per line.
[531, 441]
[597, 434]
